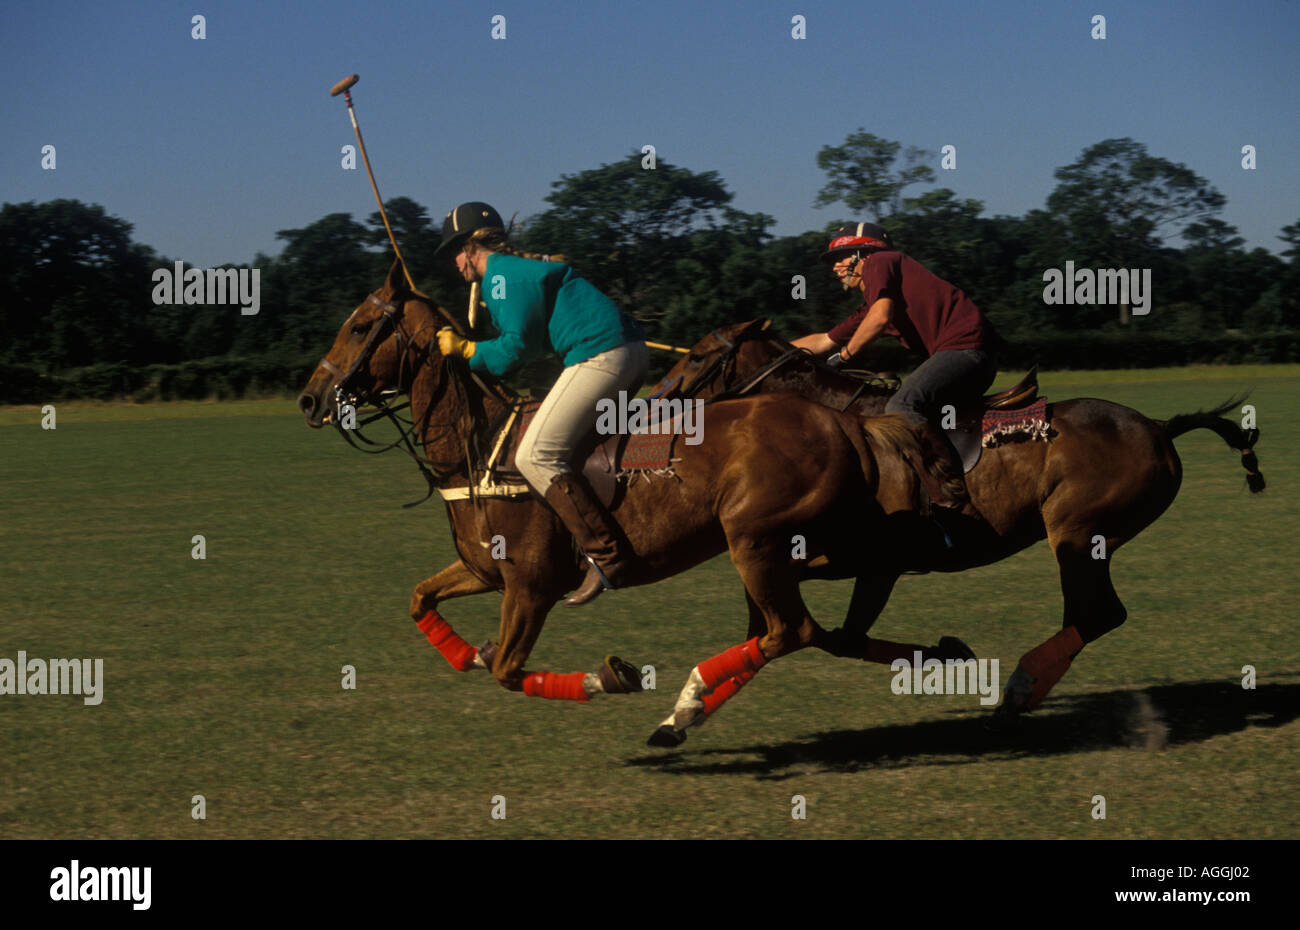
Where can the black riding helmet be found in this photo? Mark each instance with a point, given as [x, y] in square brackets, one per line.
[464, 220]
[856, 237]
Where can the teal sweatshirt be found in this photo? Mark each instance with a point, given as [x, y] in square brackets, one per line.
[538, 304]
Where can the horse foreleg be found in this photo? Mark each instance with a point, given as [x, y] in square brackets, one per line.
[456, 580]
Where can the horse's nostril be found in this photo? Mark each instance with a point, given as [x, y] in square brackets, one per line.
[307, 404]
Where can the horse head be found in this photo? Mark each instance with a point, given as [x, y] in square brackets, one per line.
[704, 369]
[378, 351]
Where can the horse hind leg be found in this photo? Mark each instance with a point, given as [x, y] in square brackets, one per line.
[1095, 507]
[1092, 609]
[779, 623]
[706, 704]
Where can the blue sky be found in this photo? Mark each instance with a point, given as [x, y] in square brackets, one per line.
[208, 147]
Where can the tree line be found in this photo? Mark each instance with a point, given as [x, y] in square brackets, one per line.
[666, 245]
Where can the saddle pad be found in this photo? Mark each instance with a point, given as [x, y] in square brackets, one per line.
[646, 452]
[1000, 425]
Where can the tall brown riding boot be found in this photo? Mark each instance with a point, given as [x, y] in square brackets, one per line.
[594, 529]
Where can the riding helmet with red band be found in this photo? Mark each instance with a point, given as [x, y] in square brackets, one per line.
[856, 237]
[464, 220]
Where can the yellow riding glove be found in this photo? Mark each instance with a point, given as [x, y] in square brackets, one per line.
[451, 344]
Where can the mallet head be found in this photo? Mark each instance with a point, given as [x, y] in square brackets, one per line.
[343, 85]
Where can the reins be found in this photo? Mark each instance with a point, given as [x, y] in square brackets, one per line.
[720, 365]
[435, 472]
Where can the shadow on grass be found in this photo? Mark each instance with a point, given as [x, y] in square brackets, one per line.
[1146, 719]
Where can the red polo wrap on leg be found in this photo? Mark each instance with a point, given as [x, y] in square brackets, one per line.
[724, 691]
[746, 657]
[557, 687]
[1049, 661]
[454, 649]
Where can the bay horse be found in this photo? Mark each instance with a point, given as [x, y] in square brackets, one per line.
[826, 477]
[1067, 490]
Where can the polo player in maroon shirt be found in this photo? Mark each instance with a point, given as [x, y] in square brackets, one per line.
[926, 313]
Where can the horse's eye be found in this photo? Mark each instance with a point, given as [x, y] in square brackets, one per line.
[359, 328]
[695, 359]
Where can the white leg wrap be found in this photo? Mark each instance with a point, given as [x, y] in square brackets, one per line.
[689, 708]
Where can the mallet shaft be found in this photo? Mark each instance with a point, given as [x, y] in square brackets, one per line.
[344, 87]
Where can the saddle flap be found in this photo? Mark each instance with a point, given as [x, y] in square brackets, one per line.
[966, 440]
[600, 468]
[977, 430]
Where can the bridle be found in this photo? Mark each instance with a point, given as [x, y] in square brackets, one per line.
[346, 393]
[720, 364]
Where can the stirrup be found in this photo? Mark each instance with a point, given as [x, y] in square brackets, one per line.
[604, 580]
[589, 591]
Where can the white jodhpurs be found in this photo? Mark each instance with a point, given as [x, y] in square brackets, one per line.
[568, 414]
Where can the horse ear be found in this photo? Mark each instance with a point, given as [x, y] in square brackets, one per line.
[396, 282]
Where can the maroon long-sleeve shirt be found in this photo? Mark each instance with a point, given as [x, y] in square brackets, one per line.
[929, 314]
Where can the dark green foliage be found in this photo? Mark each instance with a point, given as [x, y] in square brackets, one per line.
[862, 175]
[626, 228]
[78, 318]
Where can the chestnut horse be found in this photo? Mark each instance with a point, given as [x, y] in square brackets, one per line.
[1105, 474]
[768, 469]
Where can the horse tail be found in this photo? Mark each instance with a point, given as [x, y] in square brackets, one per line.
[1243, 440]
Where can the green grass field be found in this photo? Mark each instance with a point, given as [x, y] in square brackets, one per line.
[222, 676]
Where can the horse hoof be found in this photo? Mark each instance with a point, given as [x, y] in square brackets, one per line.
[1018, 693]
[666, 737]
[619, 677]
[950, 647]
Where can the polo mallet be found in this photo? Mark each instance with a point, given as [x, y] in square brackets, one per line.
[660, 345]
[344, 87]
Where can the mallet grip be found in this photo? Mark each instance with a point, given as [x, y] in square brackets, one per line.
[343, 85]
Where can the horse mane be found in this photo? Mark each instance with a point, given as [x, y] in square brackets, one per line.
[895, 433]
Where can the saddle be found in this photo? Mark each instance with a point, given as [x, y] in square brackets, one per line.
[1017, 410]
[605, 460]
